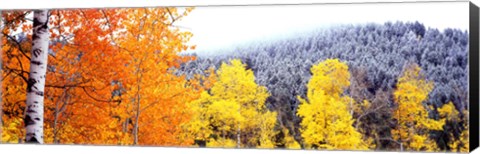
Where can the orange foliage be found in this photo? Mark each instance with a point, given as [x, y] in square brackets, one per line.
[110, 72]
[155, 97]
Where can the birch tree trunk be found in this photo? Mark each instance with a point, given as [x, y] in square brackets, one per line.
[36, 80]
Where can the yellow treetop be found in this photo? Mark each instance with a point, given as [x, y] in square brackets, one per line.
[233, 113]
[412, 115]
[326, 120]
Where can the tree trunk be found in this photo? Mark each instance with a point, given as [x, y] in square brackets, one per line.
[351, 107]
[137, 115]
[36, 80]
[59, 110]
[401, 147]
[238, 131]
[238, 137]
[125, 125]
[55, 122]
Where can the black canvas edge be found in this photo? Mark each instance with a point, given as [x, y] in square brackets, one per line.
[474, 77]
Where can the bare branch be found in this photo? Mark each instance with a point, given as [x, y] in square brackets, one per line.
[389, 139]
[172, 17]
[19, 73]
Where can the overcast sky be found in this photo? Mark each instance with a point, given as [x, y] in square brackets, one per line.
[217, 27]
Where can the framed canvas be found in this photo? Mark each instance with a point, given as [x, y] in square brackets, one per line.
[366, 76]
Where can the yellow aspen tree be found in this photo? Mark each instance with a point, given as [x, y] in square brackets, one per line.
[233, 112]
[460, 143]
[288, 141]
[326, 119]
[413, 123]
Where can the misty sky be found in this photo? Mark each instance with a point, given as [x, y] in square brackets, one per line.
[220, 27]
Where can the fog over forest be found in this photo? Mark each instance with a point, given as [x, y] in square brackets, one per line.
[376, 55]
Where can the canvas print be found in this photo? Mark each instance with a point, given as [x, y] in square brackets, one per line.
[386, 76]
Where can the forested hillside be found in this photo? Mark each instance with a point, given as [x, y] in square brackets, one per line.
[376, 55]
[121, 77]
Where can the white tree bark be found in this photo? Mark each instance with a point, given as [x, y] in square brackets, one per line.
[36, 80]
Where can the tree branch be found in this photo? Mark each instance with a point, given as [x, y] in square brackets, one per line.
[18, 44]
[368, 112]
[67, 86]
[151, 104]
[99, 100]
[172, 17]
[389, 139]
[109, 25]
[17, 18]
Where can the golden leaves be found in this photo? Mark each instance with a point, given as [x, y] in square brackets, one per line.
[326, 121]
[234, 106]
[112, 71]
[412, 116]
[332, 76]
[13, 131]
[449, 112]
